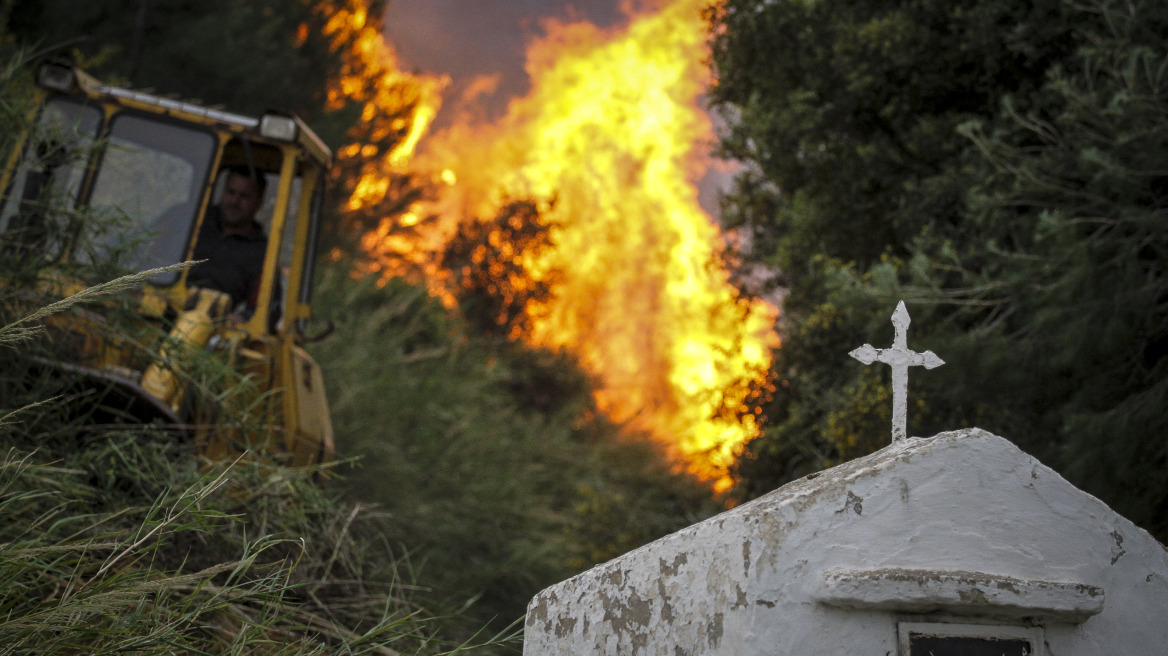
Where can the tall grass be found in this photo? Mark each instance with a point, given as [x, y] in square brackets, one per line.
[113, 540]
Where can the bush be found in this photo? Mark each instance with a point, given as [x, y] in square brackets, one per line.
[488, 457]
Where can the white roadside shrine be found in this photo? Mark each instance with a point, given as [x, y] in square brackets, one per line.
[955, 545]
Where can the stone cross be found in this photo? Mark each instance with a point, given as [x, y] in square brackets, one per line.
[900, 358]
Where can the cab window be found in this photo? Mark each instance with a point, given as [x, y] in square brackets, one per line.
[50, 175]
[148, 191]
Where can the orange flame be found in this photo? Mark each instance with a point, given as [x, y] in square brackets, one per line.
[611, 141]
[396, 107]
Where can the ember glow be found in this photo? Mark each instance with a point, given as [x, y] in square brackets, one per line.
[609, 144]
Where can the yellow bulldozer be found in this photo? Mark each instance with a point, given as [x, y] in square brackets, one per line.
[154, 179]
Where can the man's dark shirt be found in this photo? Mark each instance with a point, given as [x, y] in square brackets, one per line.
[234, 262]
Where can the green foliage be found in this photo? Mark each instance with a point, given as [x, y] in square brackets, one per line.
[488, 458]
[848, 110]
[1025, 231]
[847, 114]
[16, 95]
[1075, 199]
[826, 408]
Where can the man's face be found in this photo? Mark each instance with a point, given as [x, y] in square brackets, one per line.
[241, 200]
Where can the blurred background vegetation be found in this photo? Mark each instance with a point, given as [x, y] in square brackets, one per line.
[474, 471]
[1000, 165]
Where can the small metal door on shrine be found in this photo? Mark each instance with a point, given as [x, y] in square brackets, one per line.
[939, 639]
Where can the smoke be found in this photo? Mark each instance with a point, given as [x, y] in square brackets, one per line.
[480, 44]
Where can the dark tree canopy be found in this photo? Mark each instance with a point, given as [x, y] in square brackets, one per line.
[248, 56]
[999, 165]
[850, 109]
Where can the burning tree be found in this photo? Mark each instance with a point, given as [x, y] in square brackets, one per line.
[489, 266]
[633, 283]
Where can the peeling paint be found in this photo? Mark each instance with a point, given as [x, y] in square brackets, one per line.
[739, 598]
[630, 614]
[1007, 585]
[714, 630]
[538, 610]
[666, 605]
[963, 525]
[973, 597]
[1118, 551]
[671, 568]
[853, 503]
[564, 626]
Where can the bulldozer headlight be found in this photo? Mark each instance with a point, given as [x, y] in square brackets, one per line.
[274, 126]
[56, 77]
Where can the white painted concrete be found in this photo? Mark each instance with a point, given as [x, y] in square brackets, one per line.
[961, 527]
[927, 590]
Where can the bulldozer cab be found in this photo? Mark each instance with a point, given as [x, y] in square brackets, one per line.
[150, 173]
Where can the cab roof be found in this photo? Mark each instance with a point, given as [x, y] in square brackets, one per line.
[273, 126]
